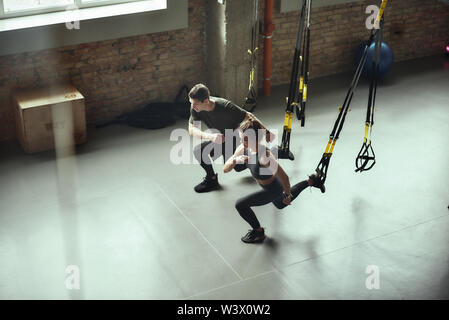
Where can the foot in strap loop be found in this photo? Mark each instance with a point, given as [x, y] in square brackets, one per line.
[318, 181]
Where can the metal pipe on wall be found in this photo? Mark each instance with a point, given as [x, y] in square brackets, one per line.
[268, 32]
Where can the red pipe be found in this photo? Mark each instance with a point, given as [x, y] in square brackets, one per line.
[268, 32]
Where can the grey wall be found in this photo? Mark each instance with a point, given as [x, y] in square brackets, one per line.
[238, 37]
[228, 34]
[216, 46]
[53, 36]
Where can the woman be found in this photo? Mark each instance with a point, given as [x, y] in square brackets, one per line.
[268, 173]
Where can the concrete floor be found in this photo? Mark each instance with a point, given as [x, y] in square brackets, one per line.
[132, 223]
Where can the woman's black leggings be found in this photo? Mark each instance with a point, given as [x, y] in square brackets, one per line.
[270, 193]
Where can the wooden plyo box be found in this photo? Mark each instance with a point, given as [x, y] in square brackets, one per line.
[46, 114]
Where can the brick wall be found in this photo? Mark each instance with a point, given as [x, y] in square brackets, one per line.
[115, 76]
[120, 75]
[413, 28]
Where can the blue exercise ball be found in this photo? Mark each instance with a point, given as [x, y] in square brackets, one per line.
[386, 60]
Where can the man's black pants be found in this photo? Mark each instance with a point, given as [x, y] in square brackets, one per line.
[208, 151]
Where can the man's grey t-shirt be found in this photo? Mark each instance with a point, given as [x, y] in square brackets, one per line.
[226, 115]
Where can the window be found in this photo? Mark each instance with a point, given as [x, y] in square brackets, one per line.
[46, 31]
[18, 8]
[23, 5]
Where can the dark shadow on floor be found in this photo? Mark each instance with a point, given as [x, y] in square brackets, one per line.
[248, 180]
[271, 244]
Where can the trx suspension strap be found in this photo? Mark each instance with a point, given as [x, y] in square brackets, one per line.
[304, 75]
[323, 166]
[366, 153]
[292, 99]
[251, 97]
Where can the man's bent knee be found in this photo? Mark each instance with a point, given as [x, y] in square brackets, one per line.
[197, 152]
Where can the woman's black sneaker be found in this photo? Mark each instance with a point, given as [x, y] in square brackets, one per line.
[317, 182]
[208, 184]
[254, 236]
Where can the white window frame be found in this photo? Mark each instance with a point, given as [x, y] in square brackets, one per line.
[77, 3]
[90, 12]
[45, 34]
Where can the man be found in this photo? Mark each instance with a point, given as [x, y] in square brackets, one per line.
[219, 114]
